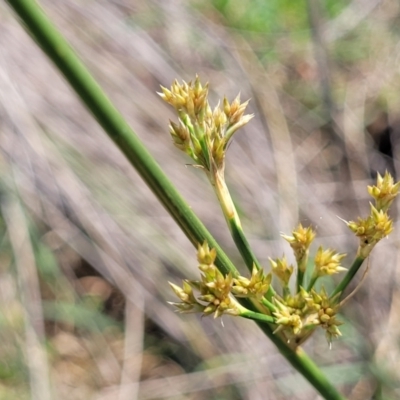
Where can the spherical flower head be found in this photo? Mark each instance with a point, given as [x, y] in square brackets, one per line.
[300, 241]
[327, 262]
[384, 192]
[297, 316]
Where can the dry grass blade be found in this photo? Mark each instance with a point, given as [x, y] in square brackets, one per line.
[28, 282]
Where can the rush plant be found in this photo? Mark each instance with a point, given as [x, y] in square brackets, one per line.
[286, 316]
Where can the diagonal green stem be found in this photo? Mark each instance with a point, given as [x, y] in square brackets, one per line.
[58, 50]
[235, 226]
[233, 221]
[312, 282]
[349, 276]
[303, 363]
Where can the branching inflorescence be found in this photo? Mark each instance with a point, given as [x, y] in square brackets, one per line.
[204, 135]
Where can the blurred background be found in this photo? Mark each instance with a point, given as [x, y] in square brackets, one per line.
[86, 250]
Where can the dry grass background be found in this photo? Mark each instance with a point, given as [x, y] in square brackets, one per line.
[86, 250]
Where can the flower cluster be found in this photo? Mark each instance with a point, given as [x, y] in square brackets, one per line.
[216, 290]
[384, 192]
[327, 262]
[282, 270]
[297, 315]
[204, 135]
[300, 242]
[378, 224]
[201, 132]
[256, 286]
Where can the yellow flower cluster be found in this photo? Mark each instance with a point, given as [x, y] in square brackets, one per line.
[204, 135]
[201, 132]
[300, 242]
[298, 315]
[256, 286]
[327, 262]
[378, 224]
[282, 270]
[384, 192]
[216, 290]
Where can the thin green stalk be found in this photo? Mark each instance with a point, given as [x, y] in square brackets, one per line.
[303, 363]
[312, 282]
[233, 221]
[286, 291]
[340, 288]
[58, 50]
[301, 269]
[232, 218]
[300, 278]
[271, 307]
[255, 316]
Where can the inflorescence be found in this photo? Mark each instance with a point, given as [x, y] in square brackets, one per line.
[204, 134]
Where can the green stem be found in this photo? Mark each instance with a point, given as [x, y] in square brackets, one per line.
[58, 50]
[301, 269]
[256, 316]
[349, 276]
[232, 218]
[286, 291]
[302, 363]
[271, 307]
[233, 221]
[300, 278]
[312, 282]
